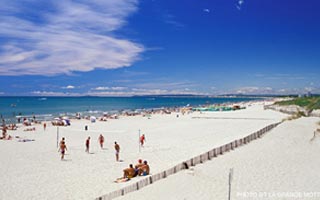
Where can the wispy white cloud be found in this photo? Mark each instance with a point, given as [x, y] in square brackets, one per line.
[128, 73]
[180, 85]
[68, 87]
[281, 76]
[278, 91]
[50, 93]
[285, 76]
[109, 88]
[254, 90]
[298, 90]
[61, 37]
[239, 4]
[130, 92]
[141, 91]
[171, 19]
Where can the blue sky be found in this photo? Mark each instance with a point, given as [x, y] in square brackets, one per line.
[132, 47]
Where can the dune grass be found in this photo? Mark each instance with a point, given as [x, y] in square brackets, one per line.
[310, 103]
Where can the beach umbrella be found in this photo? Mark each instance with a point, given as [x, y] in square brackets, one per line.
[93, 119]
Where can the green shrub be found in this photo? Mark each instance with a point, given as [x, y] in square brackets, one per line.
[310, 103]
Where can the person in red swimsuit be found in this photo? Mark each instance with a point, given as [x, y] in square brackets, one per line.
[142, 140]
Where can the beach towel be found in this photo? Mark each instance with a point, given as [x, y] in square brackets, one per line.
[121, 180]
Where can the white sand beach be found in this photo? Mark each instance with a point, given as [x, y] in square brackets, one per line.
[283, 160]
[284, 164]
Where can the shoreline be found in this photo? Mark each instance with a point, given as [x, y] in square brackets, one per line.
[100, 112]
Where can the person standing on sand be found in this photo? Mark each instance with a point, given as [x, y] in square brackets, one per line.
[142, 140]
[63, 148]
[117, 148]
[44, 126]
[62, 140]
[87, 144]
[101, 140]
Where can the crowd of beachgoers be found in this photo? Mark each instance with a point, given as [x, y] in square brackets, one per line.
[142, 168]
[64, 119]
[27, 122]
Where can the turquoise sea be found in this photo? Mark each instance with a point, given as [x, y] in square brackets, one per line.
[49, 107]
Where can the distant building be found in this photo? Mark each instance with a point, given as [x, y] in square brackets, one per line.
[308, 94]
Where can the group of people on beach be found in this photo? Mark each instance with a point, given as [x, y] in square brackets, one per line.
[63, 147]
[140, 169]
[5, 136]
[100, 140]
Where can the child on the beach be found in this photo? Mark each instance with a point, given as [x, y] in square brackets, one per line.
[87, 144]
[101, 140]
[117, 148]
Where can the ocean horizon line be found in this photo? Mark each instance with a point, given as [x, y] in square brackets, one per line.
[167, 95]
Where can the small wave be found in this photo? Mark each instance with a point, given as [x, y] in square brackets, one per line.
[42, 99]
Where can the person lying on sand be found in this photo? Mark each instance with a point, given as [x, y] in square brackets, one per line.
[12, 127]
[26, 140]
[129, 172]
[30, 129]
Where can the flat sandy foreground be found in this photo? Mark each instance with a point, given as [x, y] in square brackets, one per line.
[284, 160]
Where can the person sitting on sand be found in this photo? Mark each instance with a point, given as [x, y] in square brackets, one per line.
[144, 169]
[129, 172]
[139, 164]
[101, 140]
[63, 148]
[137, 167]
[4, 132]
[12, 127]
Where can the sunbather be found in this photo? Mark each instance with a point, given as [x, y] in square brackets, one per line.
[129, 172]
